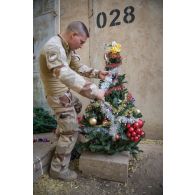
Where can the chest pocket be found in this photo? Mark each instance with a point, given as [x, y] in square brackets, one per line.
[66, 99]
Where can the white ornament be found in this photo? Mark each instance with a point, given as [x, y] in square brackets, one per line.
[92, 121]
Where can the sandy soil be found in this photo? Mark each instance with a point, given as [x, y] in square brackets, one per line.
[145, 177]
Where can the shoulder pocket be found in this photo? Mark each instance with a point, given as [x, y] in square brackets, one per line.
[53, 57]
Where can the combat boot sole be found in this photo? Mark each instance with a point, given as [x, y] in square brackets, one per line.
[67, 176]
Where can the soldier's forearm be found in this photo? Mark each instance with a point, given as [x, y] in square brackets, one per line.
[83, 69]
[75, 82]
[88, 72]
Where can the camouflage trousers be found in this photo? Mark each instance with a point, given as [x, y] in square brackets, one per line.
[66, 108]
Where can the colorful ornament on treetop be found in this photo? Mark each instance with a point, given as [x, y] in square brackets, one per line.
[114, 47]
[112, 55]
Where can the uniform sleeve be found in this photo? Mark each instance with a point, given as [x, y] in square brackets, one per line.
[82, 69]
[76, 82]
[55, 56]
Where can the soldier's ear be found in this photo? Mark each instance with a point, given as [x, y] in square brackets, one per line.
[73, 34]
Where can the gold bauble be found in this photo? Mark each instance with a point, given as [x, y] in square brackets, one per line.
[137, 111]
[92, 121]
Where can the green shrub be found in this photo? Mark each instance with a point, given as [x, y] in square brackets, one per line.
[43, 122]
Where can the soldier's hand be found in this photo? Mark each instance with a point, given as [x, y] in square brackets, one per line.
[103, 74]
[100, 95]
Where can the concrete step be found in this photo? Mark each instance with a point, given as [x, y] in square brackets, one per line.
[42, 154]
[111, 167]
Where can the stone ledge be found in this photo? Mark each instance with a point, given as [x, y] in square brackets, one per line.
[110, 167]
[42, 154]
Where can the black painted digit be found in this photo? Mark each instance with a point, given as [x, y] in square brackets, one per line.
[127, 13]
[103, 18]
[114, 23]
[129, 17]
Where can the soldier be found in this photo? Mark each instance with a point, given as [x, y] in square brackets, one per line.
[60, 71]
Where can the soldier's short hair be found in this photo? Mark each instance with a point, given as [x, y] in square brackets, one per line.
[78, 27]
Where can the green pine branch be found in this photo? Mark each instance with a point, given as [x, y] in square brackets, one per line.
[42, 121]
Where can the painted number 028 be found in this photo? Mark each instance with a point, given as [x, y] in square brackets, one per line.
[128, 17]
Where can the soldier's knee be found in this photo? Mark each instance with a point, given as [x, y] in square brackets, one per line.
[67, 122]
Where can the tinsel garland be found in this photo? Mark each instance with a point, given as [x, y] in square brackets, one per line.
[120, 108]
[124, 105]
[113, 129]
[108, 80]
[125, 120]
[105, 85]
[107, 110]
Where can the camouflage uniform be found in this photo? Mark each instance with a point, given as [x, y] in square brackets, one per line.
[60, 71]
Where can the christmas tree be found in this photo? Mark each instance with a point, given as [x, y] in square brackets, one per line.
[115, 124]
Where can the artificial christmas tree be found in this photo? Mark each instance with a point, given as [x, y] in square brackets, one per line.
[115, 124]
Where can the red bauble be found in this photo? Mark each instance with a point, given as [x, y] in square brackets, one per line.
[141, 123]
[136, 125]
[128, 134]
[136, 138]
[117, 137]
[128, 125]
[133, 133]
[132, 139]
[138, 131]
[142, 133]
[131, 129]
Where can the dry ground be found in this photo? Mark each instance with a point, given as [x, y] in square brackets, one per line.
[145, 177]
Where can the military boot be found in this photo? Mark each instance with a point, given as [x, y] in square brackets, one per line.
[69, 175]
